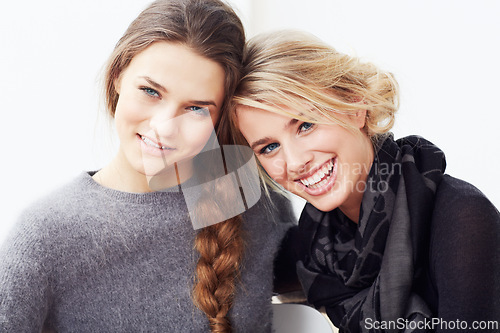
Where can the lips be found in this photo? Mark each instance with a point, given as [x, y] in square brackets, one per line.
[321, 180]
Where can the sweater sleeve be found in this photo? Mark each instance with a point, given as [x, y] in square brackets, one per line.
[24, 278]
[464, 255]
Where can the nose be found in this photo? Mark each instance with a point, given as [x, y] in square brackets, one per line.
[165, 121]
[298, 160]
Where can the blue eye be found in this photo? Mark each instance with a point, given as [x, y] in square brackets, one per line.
[269, 148]
[202, 111]
[150, 92]
[304, 127]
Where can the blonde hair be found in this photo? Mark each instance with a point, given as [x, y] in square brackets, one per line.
[298, 71]
[295, 70]
[213, 30]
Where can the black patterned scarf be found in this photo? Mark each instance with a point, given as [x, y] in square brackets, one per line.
[363, 273]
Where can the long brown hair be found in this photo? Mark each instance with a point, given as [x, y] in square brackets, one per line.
[211, 29]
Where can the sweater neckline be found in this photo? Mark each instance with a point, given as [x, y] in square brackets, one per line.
[155, 197]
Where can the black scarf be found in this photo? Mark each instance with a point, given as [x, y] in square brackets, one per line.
[363, 273]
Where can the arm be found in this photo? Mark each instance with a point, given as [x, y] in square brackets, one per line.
[465, 255]
[285, 273]
[24, 280]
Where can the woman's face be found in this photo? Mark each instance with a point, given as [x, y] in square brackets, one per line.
[169, 101]
[327, 165]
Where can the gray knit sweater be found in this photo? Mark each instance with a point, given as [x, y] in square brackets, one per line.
[91, 259]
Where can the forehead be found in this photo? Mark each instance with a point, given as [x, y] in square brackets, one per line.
[276, 111]
[280, 113]
[180, 69]
[246, 113]
[254, 123]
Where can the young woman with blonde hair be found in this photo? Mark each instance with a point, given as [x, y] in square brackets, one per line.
[387, 241]
[113, 250]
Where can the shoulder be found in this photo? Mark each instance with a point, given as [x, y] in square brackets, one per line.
[269, 219]
[273, 209]
[43, 218]
[464, 254]
[29, 239]
[457, 198]
[61, 201]
[464, 218]
[33, 248]
[417, 145]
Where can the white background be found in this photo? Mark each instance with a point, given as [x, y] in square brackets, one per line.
[445, 55]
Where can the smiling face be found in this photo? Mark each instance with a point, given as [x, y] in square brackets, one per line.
[325, 164]
[169, 100]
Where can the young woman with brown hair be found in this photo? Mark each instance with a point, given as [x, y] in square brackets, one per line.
[113, 250]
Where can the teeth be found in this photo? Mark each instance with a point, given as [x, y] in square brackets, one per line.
[149, 142]
[312, 181]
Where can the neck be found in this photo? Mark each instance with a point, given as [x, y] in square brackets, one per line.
[352, 212]
[123, 177]
[352, 207]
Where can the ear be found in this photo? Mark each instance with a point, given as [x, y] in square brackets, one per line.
[117, 84]
[359, 118]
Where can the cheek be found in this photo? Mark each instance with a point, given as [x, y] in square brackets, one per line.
[197, 134]
[128, 112]
[275, 168]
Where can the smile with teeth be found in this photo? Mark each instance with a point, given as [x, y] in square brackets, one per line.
[320, 177]
[151, 143]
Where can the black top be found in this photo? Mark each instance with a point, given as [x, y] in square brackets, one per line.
[426, 248]
[462, 279]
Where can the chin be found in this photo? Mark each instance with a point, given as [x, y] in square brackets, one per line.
[325, 203]
[323, 206]
[154, 169]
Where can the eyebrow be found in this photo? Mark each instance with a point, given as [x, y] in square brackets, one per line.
[267, 138]
[155, 85]
[158, 86]
[260, 142]
[203, 103]
[291, 123]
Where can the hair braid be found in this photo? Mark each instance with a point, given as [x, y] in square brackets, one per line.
[221, 248]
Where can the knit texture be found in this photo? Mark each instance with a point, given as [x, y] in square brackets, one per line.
[91, 259]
